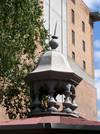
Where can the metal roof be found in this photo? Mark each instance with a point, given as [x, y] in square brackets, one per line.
[52, 65]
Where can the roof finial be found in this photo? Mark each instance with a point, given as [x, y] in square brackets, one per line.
[53, 44]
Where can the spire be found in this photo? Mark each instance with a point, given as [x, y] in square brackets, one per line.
[52, 43]
[52, 77]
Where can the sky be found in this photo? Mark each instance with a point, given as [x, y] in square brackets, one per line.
[94, 5]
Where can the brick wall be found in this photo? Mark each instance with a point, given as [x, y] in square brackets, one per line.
[81, 14]
[86, 100]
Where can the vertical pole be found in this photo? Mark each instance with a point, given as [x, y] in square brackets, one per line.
[49, 18]
[62, 26]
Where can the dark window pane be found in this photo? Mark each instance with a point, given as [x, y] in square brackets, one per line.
[73, 55]
[73, 16]
[73, 1]
[83, 45]
[84, 65]
[83, 26]
[73, 37]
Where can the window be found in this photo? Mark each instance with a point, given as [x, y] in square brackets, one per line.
[73, 37]
[73, 16]
[83, 26]
[73, 55]
[83, 45]
[73, 1]
[84, 65]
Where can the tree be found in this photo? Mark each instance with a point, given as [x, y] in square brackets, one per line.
[22, 31]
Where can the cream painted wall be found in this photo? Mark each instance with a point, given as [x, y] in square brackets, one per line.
[55, 12]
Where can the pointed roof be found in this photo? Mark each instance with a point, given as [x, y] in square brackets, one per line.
[53, 61]
[52, 65]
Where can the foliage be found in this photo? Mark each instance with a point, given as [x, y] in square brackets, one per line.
[22, 30]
